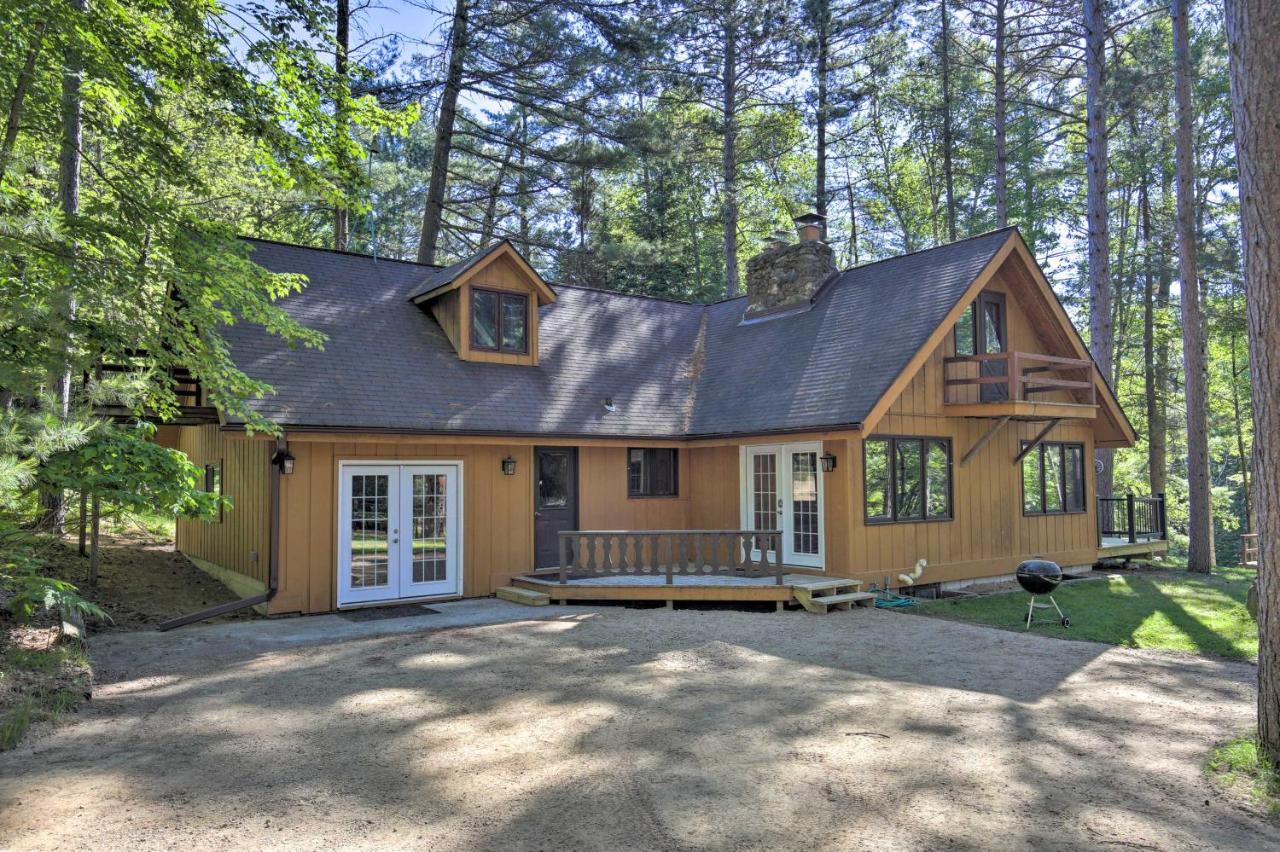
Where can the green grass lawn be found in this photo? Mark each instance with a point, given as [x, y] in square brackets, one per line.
[1172, 610]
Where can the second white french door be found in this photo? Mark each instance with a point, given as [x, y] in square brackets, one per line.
[782, 490]
[398, 532]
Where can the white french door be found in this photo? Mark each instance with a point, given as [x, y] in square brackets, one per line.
[782, 490]
[398, 531]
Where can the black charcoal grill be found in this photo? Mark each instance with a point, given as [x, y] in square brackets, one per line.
[1039, 577]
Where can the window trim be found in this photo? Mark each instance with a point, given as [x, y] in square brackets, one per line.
[501, 295]
[1084, 480]
[675, 474]
[892, 493]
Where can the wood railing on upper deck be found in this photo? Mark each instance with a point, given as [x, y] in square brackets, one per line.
[1015, 376]
[670, 553]
[1132, 518]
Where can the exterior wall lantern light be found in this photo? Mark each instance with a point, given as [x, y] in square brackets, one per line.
[284, 461]
[828, 462]
[508, 466]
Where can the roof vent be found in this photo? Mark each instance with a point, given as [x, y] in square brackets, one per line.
[785, 276]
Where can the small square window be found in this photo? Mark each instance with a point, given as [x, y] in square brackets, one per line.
[652, 472]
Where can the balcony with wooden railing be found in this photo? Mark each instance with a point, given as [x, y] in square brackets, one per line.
[1019, 384]
[193, 407]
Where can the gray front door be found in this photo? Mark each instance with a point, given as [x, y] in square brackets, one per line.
[555, 501]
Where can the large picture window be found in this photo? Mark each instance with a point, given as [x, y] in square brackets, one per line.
[499, 321]
[1053, 478]
[652, 472]
[906, 479]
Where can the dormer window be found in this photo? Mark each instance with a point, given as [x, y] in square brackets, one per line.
[499, 321]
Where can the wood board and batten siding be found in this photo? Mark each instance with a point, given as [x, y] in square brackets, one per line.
[988, 534]
[497, 518]
[240, 541]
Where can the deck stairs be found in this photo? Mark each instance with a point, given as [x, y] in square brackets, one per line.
[825, 595]
[528, 597]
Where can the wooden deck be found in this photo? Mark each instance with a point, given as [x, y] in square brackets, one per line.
[1116, 548]
[799, 589]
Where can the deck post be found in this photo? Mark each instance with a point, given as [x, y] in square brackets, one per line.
[1162, 518]
[564, 576]
[1133, 527]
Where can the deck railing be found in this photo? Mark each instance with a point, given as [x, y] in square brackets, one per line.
[1132, 518]
[1015, 376]
[670, 553]
[1250, 549]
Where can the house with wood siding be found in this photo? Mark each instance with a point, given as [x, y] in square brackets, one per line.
[473, 430]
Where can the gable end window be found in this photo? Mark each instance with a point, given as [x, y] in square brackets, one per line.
[652, 472]
[906, 479]
[499, 321]
[1053, 479]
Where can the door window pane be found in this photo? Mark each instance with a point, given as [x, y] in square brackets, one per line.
[553, 480]
[764, 491]
[369, 505]
[938, 476]
[908, 484]
[804, 502]
[484, 319]
[876, 479]
[992, 341]
[429, 524]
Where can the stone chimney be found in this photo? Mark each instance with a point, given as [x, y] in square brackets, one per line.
[786, 275]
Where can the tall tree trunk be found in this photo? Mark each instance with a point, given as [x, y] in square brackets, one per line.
[820, 184]
[522, 182]
[434, 215]
[341, 215]
[729, 152]
[20, 89]
[1150, 388]
[948, 137]
[1001, 117]
[1200, 550]
[1242, 458]
[1253, 30]
[1101, 331]
[69, 156]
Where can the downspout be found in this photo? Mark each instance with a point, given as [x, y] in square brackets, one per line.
[273, 559]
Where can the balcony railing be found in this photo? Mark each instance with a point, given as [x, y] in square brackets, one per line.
[670, 553]
[1131, 519]
[1016, 377]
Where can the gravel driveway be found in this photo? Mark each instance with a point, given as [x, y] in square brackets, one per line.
[611, 728]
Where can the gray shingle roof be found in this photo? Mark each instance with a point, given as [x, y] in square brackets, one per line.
[672, 369]
[442, 277]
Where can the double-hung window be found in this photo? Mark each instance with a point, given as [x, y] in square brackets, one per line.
[906, 479]
[499, 321]
[1053, 478]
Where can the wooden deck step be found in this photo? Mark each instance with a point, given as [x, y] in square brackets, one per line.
[824, 603]
[519, 595]
[826, 585]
